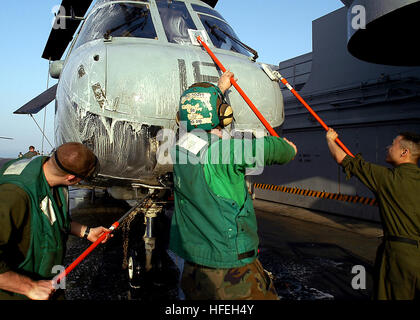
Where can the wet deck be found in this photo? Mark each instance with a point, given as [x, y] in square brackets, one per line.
[310, 254]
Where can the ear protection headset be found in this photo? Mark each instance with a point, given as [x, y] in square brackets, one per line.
[223, 110]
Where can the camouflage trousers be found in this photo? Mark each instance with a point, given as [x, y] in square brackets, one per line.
[397, 272]
[249, 282]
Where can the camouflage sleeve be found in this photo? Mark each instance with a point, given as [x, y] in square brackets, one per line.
[14, 204]
[370, 174]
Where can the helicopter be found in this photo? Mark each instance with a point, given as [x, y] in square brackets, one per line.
[122, 67]
[124, 72]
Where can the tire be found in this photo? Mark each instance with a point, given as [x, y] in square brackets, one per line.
[136, 271]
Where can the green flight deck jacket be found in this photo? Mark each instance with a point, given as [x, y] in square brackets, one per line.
[214, 222]
[34, 223]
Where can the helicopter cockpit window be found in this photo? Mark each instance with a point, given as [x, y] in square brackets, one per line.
[99, 2]
[118, 20]
[176, 20]
[218, 30]
[201, 9]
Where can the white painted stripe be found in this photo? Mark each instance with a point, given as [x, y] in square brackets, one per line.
[17, 167]
[192, 143]
[48, 210]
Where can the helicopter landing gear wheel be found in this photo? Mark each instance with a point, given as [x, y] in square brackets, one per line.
[136, 272]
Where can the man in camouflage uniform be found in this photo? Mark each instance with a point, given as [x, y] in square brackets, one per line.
[31, 153]
[242, 283]
[397, 265]
[35, 220]
[214, 227]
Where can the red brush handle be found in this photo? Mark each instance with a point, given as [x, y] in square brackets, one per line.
[241, 92]
[85, 253]
[313, 113]
[257, 113]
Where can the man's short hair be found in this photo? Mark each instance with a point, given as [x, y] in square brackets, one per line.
[31, 147]
[76, 159]
[411, 141]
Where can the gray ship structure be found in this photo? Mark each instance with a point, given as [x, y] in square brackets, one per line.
[368, 102]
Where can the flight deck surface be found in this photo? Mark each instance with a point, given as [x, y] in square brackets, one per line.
[310, 254]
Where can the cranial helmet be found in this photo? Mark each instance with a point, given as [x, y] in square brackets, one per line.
[203, 106]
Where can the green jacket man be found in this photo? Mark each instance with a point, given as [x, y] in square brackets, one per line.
[34, 219]
[214, 227]
[397, 265]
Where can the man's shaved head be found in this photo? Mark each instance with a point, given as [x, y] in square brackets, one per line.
[75, 158]
[411, 141]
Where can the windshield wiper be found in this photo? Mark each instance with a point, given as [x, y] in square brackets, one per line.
[243, 45]
[143, 14]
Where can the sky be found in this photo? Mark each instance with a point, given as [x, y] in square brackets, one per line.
[277, 29]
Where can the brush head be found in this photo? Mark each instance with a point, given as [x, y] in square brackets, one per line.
[270, 73]
[195, 33]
